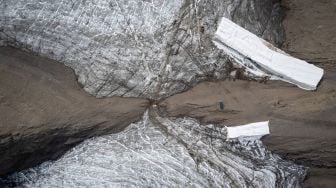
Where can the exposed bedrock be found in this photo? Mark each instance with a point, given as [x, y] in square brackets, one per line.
[137, 48]
[310, 29]
[42, 106]
[310, 34]
[302, 124]
[44, 112]
[151, 49]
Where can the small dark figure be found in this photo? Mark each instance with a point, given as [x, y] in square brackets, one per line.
[201, 29]
[221, 105]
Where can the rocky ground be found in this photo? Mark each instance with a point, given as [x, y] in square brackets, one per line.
[44, 112]
[302, 123]
[41, 104]
[310, 29]
[310, 35]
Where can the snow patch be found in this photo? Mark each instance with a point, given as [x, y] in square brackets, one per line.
[258, 129]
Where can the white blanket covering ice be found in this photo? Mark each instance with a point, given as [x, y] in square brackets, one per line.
[262, 59]
[249, 130]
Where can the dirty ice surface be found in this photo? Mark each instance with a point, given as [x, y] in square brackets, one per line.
[165, 152]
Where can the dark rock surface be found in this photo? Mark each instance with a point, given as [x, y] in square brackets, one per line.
[310, 34]
[154, 50]
[44, 112]
[303, 124]
[310, 29]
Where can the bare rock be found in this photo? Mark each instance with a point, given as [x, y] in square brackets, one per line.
[44, 112]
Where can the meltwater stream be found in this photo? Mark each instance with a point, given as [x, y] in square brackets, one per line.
[165, 152]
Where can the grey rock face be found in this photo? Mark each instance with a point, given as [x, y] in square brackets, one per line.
[166, 152]
[136, 48]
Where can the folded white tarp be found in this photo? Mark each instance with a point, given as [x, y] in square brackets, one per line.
[262, 59]
[249, 130]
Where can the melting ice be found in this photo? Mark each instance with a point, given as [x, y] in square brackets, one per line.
[165, 152]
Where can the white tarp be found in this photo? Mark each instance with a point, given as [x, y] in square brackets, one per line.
[249, 130]
[262, 59]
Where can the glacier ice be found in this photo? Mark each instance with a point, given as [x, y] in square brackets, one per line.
[165, 152]
[134, 48]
